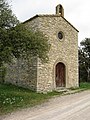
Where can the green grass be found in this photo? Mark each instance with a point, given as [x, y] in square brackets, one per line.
[85, 85]
[13, 98]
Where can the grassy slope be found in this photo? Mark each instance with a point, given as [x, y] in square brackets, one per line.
[13, 98]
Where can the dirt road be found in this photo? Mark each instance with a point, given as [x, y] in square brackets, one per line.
[69, 107]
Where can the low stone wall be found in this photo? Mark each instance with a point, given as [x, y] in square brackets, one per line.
[22, 73]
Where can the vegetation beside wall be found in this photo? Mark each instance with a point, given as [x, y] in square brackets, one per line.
[13, 98]
[85, 85]
[84, 60]
[2, 74]
[17, 41]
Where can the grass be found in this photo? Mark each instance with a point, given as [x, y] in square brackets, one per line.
[13, 98]
[82, 86]
[85, 86]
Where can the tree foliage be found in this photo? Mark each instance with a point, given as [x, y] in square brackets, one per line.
[18, 41]
[84, 59]
[7, 20]
[27, 43]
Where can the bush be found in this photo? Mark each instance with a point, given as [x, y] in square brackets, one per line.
[2, 74]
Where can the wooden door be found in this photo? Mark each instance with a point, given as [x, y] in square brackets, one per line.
[60, 75]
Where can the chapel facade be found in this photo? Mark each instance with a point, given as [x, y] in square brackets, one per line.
[61, 71]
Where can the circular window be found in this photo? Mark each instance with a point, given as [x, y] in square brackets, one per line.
[60, 35]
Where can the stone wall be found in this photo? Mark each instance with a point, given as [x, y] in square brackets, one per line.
[65, 51]
[23, 73]
[41, 77]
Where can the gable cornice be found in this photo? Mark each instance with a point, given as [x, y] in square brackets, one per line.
[52, 15]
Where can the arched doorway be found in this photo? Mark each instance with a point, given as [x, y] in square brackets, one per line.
[60, 75]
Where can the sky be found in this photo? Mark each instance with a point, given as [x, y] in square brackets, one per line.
[77, 12]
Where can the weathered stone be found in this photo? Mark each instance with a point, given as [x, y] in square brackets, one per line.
[42, 77]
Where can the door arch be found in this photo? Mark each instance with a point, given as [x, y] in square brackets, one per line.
[60, 74]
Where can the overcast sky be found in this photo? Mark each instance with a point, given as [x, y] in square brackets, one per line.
[77, 12]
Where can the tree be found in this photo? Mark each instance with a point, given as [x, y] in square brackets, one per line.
[7, 20]
[84, 58]
[82, 70]
[26, 43]
[18, 41]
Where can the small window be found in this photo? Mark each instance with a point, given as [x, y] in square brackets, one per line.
[60, 35]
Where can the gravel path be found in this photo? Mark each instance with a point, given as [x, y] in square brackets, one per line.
[68, 107]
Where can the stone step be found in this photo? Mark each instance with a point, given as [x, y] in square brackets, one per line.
[61, 89]
[67, 91]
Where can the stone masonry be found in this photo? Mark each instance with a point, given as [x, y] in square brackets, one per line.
[42, 77]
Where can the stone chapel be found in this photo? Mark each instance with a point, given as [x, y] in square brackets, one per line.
[61, 71]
